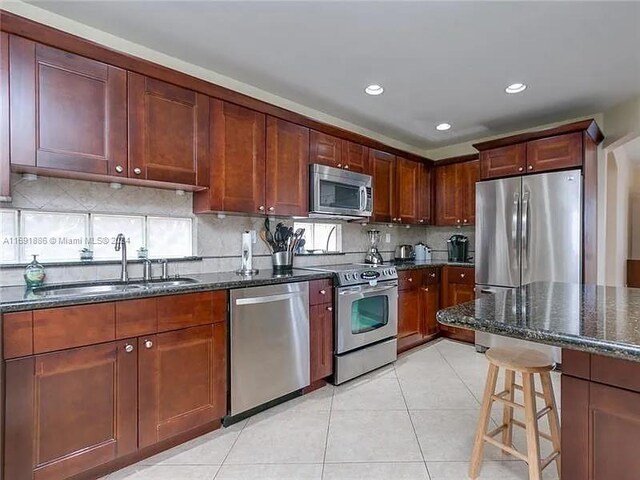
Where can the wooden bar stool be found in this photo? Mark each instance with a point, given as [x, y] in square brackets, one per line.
[528, 363]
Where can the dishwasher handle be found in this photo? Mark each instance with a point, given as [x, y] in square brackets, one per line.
[268, 298]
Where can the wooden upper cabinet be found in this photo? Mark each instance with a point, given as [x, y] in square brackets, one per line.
[69, 411]
[355, 157]
[554, 153]
[503, 162]
[287, 168]
[5, 167]
[325, 149]
[468, 176]
[456, 193]
[382, 165]
[407, 191]
[67, 112]
[237, 161]
[172, 398]
[168, 132]
[425, 195]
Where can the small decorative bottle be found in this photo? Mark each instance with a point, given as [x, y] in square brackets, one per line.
[34, 273]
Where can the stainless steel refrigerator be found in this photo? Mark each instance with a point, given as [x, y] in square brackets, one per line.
[528, 229]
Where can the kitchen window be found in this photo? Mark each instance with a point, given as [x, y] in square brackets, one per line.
[61, 236]
[321, 237]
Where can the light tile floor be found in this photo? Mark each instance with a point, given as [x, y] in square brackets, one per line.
[414, 420]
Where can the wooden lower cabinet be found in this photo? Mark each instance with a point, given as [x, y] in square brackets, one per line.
[182, 381]
[410, 324]
[418, 302]
[321, 341]
[458, 287]
[430, 306]
[67, 412]
[600, 422]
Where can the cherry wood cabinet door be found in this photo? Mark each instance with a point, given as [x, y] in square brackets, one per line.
[407, 191]
[468, 175]
[325, 149]
[425, 195]
[67, 112]
[5, 166]
[355, 157]
[503, 162]
[182, 381]
[447, 195]
[69, 411]
[321, 341]
[554, 153]
[430, 306]
[287, 179]
[382, 166]
[410, 322]
[168, 132]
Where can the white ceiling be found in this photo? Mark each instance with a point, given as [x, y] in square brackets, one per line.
[438, 61]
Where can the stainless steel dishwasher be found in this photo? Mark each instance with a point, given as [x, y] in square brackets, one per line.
[269, 343]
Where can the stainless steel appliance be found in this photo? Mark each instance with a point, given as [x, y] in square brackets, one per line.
[528, 229]
[373, 255]
[366, 323]
[422, 252]
[338, 193]
[269, 343]
[458, 248]
[404, 253]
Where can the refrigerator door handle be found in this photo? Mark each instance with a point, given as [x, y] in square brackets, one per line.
[525, 231]
[514, 223]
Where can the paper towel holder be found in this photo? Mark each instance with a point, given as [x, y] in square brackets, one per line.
[247, 269]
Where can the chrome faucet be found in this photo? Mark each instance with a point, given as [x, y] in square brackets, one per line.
[121, 244]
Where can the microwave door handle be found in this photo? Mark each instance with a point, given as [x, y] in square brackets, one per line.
[363, 198]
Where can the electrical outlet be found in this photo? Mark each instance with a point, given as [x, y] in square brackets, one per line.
[387, 238]
[254, 236]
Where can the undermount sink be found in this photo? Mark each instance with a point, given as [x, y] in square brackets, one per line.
[115, 287]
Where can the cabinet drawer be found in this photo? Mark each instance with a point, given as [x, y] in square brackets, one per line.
[503, 162]
[616, 372]
[191, 309]
[409, 279]
[17, 331]
[554, 153]
[136, 317]
[68, 327]
[431, 276]
[463, 275]
[320, 291]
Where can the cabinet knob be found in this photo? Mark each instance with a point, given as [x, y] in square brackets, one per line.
[426, 289]
[410, 279]
[520, 169]
[462, 275]
[119, 169]
[137, 171]
[464, 221]
[339, 165]
[148, 344]
[128, 348]
[458, 221]
[323, 291]
[432, 275]
[330, 309]
[422, 220]
[346, 167]
[272, 209]
[530, 167]
[261, 208]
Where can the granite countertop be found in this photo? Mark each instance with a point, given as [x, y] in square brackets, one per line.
[13, 299]
[413, 264]
[590, 318]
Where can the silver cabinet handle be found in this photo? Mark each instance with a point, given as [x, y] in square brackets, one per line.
[330, 309]
[462, 275]
[137, 171]
[530, 167]
[148, 344]
[426, 289]
[261, 208]
[458, 221]
[422, 220]
[346, 167]
[271, 209]
[119, 169]
[520, 169]
[432, 275]
[128, 348]
[339, 165]
[267, 299]
[323, 291]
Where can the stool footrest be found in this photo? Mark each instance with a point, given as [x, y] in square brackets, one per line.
[499, 397]
[545, 463]
[506, 448]
[518, 423]
[519, 387]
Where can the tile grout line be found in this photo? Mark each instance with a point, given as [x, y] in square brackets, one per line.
[230, 449]
[413, 427]
[326, 438]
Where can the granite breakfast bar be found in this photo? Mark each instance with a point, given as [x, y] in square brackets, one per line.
[598, 329]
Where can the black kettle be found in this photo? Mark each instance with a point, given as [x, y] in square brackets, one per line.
[458, 247]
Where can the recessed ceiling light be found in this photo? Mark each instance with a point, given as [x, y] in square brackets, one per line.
[443, 126]
[374, 89]
[516, 88]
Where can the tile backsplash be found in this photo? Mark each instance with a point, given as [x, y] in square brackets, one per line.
[217, 236]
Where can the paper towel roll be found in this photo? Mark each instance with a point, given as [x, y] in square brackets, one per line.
[247, 254]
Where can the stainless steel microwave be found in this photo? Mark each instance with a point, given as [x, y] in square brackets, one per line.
[337, 193]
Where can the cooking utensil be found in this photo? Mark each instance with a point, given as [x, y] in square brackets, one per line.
[263, 237]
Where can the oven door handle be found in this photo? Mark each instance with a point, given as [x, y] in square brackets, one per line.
[365, 289]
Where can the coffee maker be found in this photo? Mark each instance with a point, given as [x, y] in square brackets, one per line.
[458, 247]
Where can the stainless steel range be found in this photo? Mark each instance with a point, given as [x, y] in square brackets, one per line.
[366, 323]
